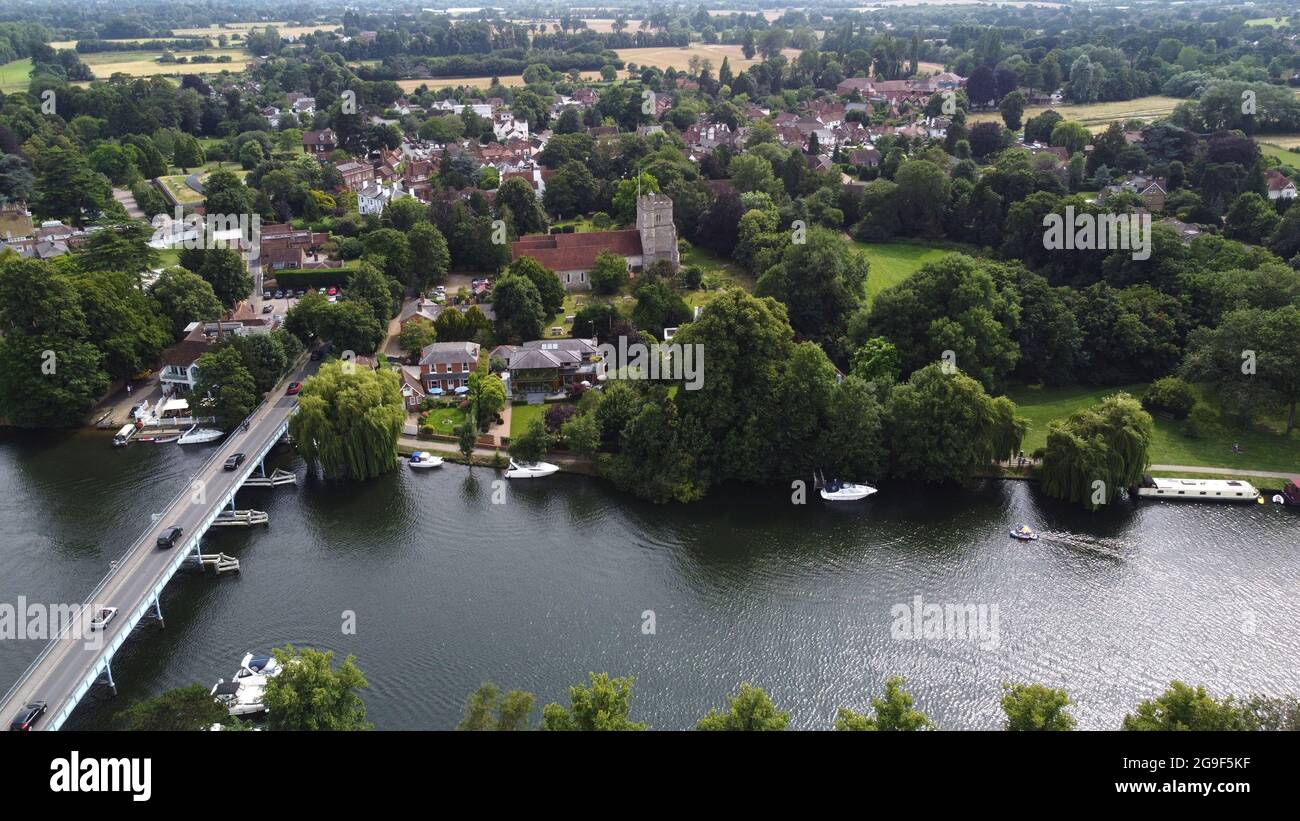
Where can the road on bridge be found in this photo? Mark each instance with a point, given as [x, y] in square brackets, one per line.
[57, 676]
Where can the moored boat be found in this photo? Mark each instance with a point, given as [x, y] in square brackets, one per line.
[530, 470]
[424, 459]
[838, 491]
[1197, 490]
[198, 436]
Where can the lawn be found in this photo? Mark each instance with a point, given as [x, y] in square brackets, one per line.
[445, 420]
[521, 416]
[13, 76]
[1263, 449]
[1281, 153]
[893, 262]
[1096, 116]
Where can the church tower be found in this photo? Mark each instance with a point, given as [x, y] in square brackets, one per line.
[654, 220]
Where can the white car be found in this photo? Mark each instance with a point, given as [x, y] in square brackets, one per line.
[102, 617]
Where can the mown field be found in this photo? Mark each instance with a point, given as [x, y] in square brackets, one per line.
[231, 29]
[13, 76]
[1264, 447]
[1096, 116]
[893, 262]
[1277, 153]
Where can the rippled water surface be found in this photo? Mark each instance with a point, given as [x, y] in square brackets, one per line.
[450, 590]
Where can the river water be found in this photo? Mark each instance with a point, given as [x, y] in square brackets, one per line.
[454, 580]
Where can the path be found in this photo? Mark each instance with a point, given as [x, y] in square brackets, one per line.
[1263, 474]
[127, 200]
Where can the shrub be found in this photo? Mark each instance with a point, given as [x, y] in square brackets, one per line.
[1171, 396]
[1202, 421]
[557, 415]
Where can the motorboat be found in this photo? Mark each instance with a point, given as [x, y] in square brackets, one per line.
[530, 470]
[1024, 534]
[199, 436]
[424, 459]
[244, 693]
[838, 491]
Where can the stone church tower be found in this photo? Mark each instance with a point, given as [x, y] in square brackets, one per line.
[654, 220]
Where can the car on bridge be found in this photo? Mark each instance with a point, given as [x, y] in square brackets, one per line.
[102, 617]
[23, 721]
[169, 536]
[234, 461]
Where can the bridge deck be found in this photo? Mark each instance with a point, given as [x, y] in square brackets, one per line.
[69, 665]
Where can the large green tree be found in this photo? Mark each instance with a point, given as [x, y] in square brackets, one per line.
[309, 694]
[602, 706]
[894, 712]
[224, 388]
[749, 710]
[1097, 452]
[188, 709]
[1036, 707]
[348, 421]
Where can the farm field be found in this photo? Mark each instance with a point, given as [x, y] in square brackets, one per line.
[1271, 22]
[1096, 116]
[1278, 153]
[242, 28]
[476, 82]
[679, 58]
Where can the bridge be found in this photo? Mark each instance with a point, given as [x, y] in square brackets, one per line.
[71, 664]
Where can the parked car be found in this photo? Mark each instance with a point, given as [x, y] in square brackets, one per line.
[279, 294]
[294, 387]
[24, 721]
[321, 292]
[234, 461]
[333, 291]
[266, 295]
[268, 308]
[169, 536]
[102, 617]
[301, 292]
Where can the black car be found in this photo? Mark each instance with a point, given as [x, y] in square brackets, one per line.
[23, 721]
[169, 536]
[234, 461]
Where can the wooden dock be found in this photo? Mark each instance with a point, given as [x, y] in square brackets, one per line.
[219, 563]
[241, 518]
[278, 477]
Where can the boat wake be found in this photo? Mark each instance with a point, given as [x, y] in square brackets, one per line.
[1111, 548]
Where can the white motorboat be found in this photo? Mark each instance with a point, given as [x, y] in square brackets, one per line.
[199, 436]
[243, 694]
[838, 491]
[530, 470]
[424, 459]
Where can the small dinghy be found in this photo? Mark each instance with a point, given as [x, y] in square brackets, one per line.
[530, 470]
[838, 491]
[1024, 534]
[424, 459]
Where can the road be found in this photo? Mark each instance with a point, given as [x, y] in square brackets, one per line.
[130, 585]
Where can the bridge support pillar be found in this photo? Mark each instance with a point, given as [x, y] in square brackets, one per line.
[157, 609]
[108, 673]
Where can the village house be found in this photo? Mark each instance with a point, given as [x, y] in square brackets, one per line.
[445, 366]
[1280, 187]
[287, 248]
[180, 362]
[374, 196]
[571, 256]
[1150, 189]
[356, 174]
[543, 367]
[320, 143]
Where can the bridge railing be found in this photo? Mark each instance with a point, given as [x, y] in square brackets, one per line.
[130, 552]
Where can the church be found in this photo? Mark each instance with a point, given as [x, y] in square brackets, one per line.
[571, 256]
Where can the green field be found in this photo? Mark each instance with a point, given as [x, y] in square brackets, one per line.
[1264, 449]
[893, 262]
[1278, 154]
[13, 76]
[1272, 22]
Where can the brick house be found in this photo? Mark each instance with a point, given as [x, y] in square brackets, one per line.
[447, 365]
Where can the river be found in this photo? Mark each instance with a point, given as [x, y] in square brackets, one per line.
[553, 579]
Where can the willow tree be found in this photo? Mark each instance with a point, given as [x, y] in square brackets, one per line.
[1097, 451]
[348, 421]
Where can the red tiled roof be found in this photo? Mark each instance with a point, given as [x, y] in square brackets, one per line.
[573, 252]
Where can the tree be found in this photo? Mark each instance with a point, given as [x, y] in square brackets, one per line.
[48, 380]
[1036, 707]
[1183, 707]
[225, 271]
[1012, 109]
[67, 188]
[608, 274]
[119, 246]
[1250, 219]
[749, 710]
[487, 396]
[602, 706]
[922, 197]
[518, 308]
[183, 709]
[348, 421]
[404, 213]
[416, 335]
[371, 287]
[1070, 135]
[224, 387]
[532, 444]
[581, 435]
[488, 709]
[184, 298]
[549, 288]
[944, 428]
[352, 326]
[893, 713]
[821, 281]
[659, 306]
[225, 193]
[430, 258]
[525, 208]
[1097, 452]
[309, 694]
[1250, 358]
[570, 189]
